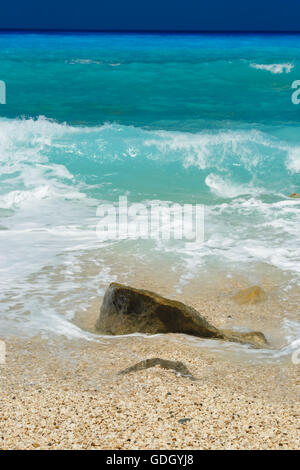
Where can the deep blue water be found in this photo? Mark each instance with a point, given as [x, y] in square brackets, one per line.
[172, 82]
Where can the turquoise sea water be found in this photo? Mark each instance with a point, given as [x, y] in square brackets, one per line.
[202, 119]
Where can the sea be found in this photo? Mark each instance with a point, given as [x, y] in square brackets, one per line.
[88, 118]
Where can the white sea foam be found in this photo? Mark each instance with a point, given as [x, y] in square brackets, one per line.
[227, 189]
[49, 219]
[293, 161]
[214, 149]
[91, 61]
[274, 68]
[85, 61]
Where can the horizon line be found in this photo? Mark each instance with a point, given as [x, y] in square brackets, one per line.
[145, 31]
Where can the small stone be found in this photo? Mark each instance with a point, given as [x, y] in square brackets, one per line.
[176, 366]
[250, 296]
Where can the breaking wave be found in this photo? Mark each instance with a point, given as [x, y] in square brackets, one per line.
[273, 68]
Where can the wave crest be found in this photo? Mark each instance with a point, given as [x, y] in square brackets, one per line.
[273, 68]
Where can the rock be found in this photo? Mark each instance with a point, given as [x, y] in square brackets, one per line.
[127, 310]
[252, 295]
[176, 366]
[295, 195]
[254, 338]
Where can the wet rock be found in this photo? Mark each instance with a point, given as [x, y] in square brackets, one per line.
[176, 366]
[253, 338]
[295, 195]
[252, 295]
[127, 310]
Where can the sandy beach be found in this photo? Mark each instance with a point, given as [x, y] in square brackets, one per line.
[67, 394]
